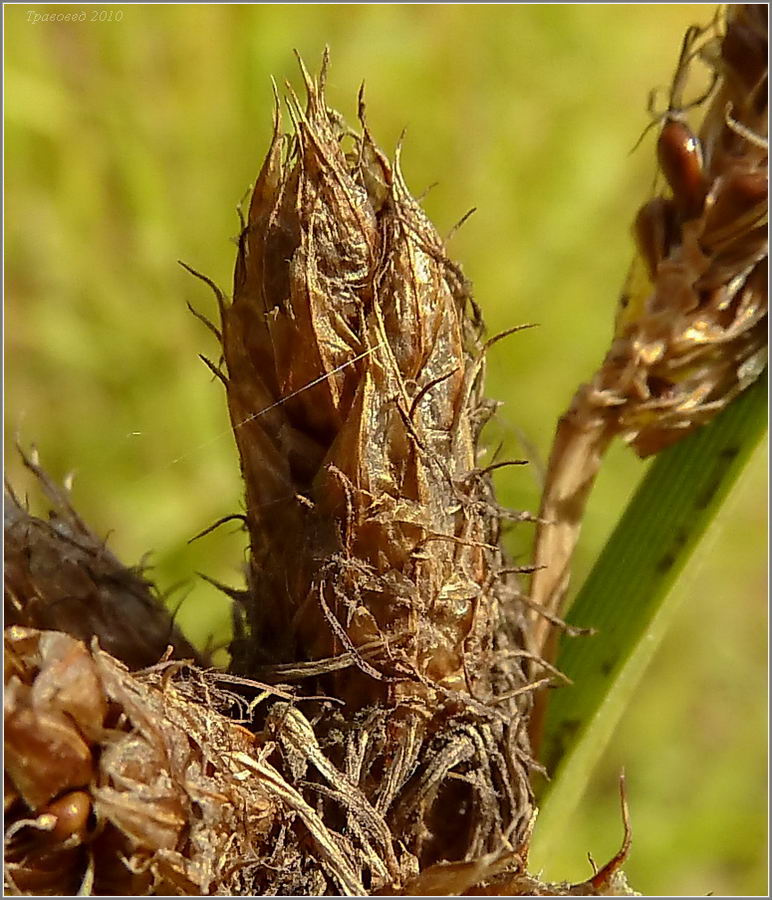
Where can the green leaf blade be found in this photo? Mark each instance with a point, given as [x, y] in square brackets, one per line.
[625, 597]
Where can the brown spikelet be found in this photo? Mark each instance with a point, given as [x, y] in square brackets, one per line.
[691, 330]
[700, 336]
[59, 575]
[354, 366]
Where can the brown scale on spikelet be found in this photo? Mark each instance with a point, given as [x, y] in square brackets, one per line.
[691, 331]
[354, 367]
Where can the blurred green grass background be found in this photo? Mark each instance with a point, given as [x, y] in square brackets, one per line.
[129, 144]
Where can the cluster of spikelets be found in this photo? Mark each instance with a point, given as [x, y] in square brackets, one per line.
[691, 330]
[370, 736]
[125, 783]
[378, 654]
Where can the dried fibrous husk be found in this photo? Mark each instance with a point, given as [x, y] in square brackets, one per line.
[691, 331]
[354, 364]
[158, 788]
[124, 783]
[505, 874]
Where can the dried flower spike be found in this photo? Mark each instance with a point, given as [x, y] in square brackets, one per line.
[354, 369]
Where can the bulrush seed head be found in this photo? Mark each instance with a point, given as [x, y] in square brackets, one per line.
[354, 367]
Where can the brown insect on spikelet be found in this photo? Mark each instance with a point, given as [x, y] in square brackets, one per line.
[691, 331]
